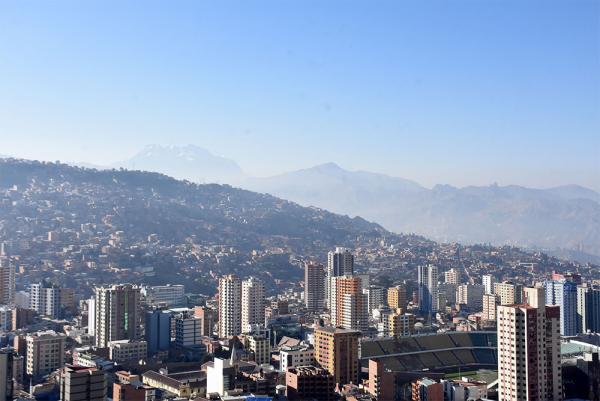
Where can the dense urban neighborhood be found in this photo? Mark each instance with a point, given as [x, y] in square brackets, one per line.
[129, 285]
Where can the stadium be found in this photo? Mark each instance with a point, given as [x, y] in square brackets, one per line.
[438, 353]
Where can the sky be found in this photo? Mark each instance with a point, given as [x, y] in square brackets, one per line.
[456, 92]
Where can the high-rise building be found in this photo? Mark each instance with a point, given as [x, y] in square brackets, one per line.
[428, 289]
[348, 304]
[509, 293]
[336, 350]
[488, 283]
[188, 330]
[45, 299]
[7, 283]
[382, 320]
[396, 297]
[6, 317]
[253, 302]
[490, 303]
[6, 374]
[471, 296]
[78, 383]
[67, 300]
[230, 306]
[260, 346]
[117, 313]
[401, 324]
[588, 309]
[355, 314]
[339, 263]
[45, 352]
[529, 365]
[207, 315]
[448, 291]
[376, 297]
[452, 276]
[158, 331]
[314, 287]
[564, 294]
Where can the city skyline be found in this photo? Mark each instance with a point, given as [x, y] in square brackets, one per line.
[460, 100]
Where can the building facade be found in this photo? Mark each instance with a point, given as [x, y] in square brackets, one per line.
[564, 294]
[314, 287]
[336, 350]
[529, 365]
[396, 297]
[253, 302]
[45, 352]
[588, 309]
[348, 304]
[45, 299]
[117, 314]
[7, 283]
[79, 383]
[230, 306]
[428, 289]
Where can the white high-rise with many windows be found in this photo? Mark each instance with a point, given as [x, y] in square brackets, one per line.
[230, 306]
[488, 283]
[529, 350]
[428, 289]
[253, 303]
[44, 298]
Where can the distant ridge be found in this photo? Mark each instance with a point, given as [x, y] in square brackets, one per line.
[563, 219]
[184, 162]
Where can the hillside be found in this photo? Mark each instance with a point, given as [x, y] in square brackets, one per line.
[223, 229]
[564, 220]
[566, 217]
[84, 227]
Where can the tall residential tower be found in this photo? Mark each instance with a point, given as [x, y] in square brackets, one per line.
[230, 306]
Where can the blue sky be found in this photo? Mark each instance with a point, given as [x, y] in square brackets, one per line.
[459, 92]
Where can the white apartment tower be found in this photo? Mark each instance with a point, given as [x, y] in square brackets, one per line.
[44, 298]
[230, 306]
[117, 313]
[488, 283]
[529, 350]
[253, 302]
[428, 289]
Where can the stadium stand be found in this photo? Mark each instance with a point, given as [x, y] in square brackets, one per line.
[436, 352]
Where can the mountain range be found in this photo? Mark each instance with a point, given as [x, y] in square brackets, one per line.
[563, 219]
